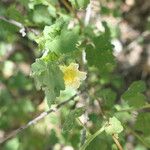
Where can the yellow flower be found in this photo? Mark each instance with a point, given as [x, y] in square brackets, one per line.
[72, 76]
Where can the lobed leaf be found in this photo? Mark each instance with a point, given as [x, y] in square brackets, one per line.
[58, 38]
[142, 123]
[49, 78]
[134, 95]
[114, 126]
[100, 55]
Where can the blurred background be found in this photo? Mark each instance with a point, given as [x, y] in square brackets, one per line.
[129, 23]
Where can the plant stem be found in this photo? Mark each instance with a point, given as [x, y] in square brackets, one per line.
[13, 22]
[91, 138]
[38, 118]
[117, 142]
[135, 109]
[71, 9]
[83, 126]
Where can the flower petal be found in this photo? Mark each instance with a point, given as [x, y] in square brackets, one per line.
[72, 76]
[82, 75]
[74, 66]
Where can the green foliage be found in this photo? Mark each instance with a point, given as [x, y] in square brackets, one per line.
[79, 4]
[53, 137]
[99, 145]
[113, 126]
[12, 144]
[59, 33]
[38, 17]
[134, 95]
[57, 38]
[70, 119]
[13, 13]
[49, 78]
[100, 55]
[7, 31]
[108, 96]
[142, 123]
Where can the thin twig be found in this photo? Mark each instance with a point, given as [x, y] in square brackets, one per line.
[22, 28]
[135, 109]
[35, 120]
[100, 109]
[67, 6]
[83, 136]
[84, 126]
[113, 136]
[88, 14]
[16, 23]
[72, 10]
[91, 138]
[117, 142]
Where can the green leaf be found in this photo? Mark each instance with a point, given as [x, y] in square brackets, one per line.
[113, 126]
[13, 13]
[98, 143]
[49, 33]
[108, 96]
[54, 30]
[138, 86]
[12, 144]
[100, 55]
[64, 43]
[33, 3]
[41, 15]
[7, 31]
[58, 38]
[70, 119]
[80, 4]
[49, 78]
[143, 123]
[91, 138]
[38, 67]
[53, 139]
[103, 60]
[105, 10]
[103, 41]
[134, 95]
[50, 56]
